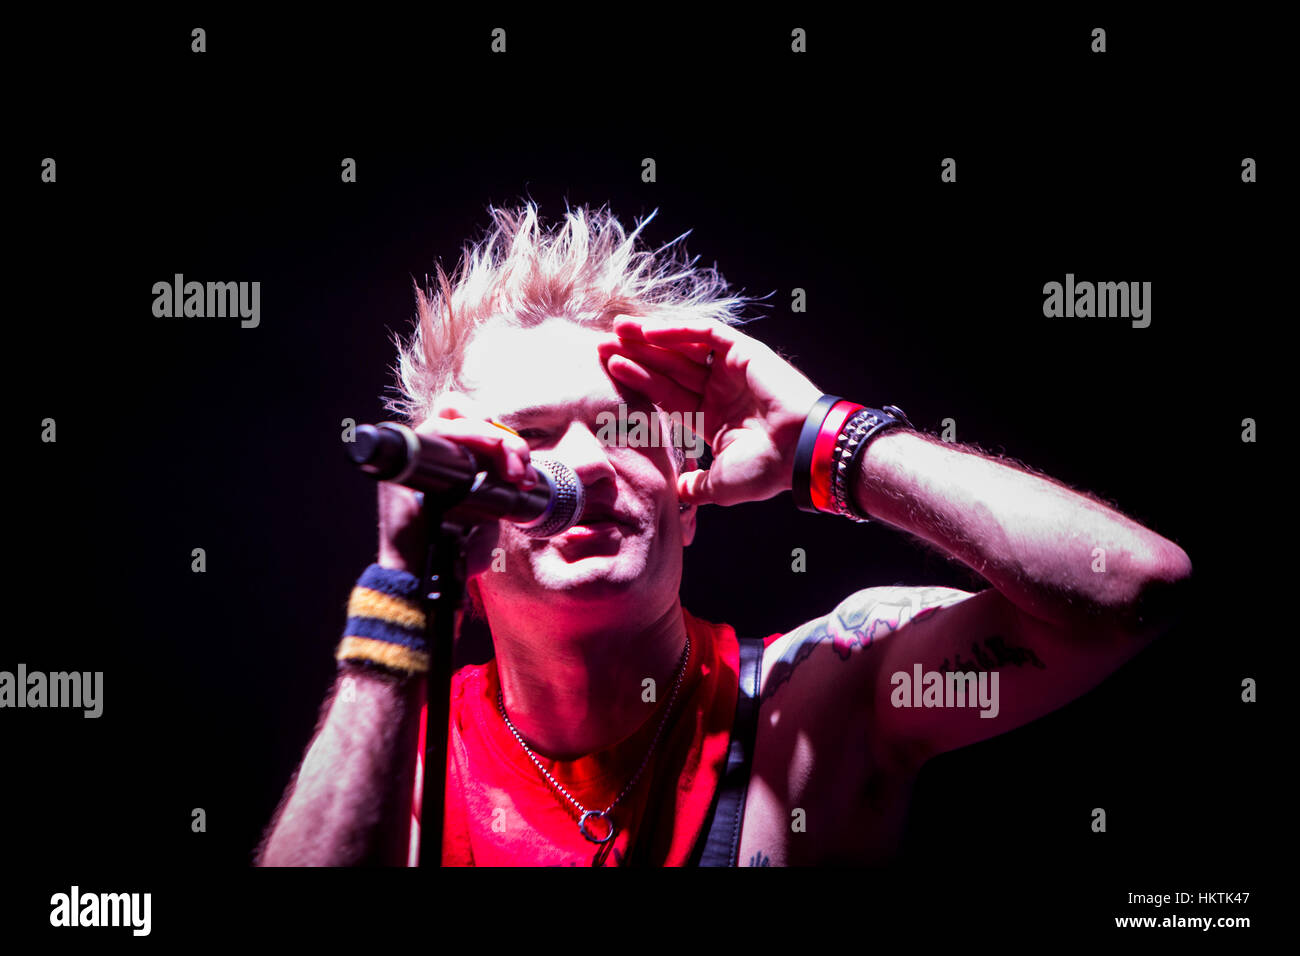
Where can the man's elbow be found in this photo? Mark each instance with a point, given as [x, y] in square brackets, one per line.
[1164, 594]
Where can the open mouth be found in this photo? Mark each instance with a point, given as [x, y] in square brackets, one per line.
[593, 529]
[600, 521]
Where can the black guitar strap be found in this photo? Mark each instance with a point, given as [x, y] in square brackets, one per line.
[722, 845]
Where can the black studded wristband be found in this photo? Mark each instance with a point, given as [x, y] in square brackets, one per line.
[860, 430]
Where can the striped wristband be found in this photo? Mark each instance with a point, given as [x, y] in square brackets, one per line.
[386, 622]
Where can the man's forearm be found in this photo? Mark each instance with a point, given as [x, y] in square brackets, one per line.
[350, 803]
[1034, 540]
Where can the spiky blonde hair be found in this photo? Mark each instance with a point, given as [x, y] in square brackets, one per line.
[587, 271]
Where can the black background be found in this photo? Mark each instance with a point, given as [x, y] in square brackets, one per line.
[820, 172]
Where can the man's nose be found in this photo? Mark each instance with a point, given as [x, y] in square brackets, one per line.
[583, 451]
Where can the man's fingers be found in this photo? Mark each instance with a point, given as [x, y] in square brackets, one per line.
[689, 374]
[507, 453]
[694, 487]
[710, 334]
[656, 386]
[697, 352]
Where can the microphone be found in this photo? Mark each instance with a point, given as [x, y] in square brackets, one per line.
[426, 463]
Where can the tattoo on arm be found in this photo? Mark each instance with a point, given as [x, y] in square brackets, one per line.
[760, 859]
[1002, 653]
[856, 622]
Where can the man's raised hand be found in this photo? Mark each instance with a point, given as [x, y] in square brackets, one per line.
[751, 402]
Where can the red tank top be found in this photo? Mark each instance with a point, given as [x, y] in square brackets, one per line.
[501, 811]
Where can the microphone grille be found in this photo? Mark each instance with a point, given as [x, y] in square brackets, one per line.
[568, 498]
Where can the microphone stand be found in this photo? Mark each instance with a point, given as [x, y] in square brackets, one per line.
[448, 527]
[443, 591]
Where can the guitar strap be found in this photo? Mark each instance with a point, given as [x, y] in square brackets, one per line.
[722, 845]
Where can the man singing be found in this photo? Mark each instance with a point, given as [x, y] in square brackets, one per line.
[613, 727]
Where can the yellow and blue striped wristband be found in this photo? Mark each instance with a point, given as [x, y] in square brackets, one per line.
[386, 622]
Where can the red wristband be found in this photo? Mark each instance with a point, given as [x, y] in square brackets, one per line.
[823, 457]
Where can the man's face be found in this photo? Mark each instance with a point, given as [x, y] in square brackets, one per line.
[548, 384]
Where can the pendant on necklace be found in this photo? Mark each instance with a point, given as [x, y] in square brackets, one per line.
[604, 817]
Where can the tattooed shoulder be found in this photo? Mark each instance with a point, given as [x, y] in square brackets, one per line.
[855, 624]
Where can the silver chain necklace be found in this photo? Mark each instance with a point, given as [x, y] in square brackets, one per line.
[602, 815]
